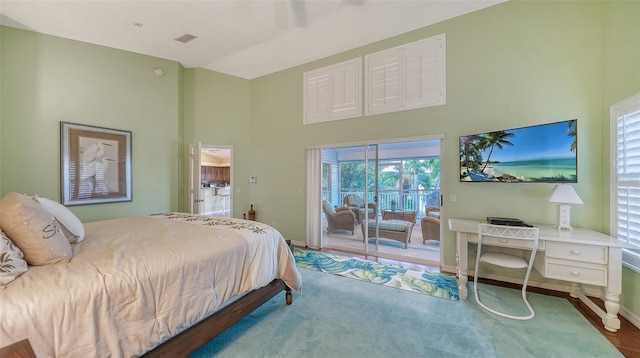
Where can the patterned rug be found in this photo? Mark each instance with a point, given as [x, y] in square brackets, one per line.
[428, 283]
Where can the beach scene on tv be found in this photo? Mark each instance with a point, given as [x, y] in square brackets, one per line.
[544, 153]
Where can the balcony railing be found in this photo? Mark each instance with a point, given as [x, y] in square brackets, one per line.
[416, 200]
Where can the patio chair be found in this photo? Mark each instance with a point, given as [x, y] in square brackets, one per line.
[433, 211]
[338, 219]
[430, 228]
[355, 201]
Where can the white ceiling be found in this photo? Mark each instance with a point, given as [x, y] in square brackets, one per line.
[243, 38]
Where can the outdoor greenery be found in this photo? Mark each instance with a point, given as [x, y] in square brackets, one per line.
[413, 174]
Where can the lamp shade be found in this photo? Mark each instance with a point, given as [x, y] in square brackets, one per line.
[564, 193]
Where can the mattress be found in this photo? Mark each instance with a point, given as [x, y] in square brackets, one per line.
[135, 282]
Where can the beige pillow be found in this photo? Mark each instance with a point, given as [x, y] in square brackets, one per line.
[12, 263]
[72, 227]
[33, 230]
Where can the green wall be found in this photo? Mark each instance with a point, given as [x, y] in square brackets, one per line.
[503, 70]
[515, 64]
[217, 111]
[621, 79]
[2, 89]
[47, 79]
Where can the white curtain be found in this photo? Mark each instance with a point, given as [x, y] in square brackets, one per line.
[314, 198]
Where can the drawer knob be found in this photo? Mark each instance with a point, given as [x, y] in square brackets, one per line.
[575, 273]
[504, 241]
[575, 252]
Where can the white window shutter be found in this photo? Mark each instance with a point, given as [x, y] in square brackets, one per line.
[316, 96]
[382, 85]
[346, 91]
[333, 93]
[424, 75]
[406, 77]
[625, 190]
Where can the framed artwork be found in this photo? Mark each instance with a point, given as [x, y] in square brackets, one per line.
[95, 164]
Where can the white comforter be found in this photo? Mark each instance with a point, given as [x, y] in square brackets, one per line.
[135, 282]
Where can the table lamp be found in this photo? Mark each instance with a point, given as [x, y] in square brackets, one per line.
[564, 194]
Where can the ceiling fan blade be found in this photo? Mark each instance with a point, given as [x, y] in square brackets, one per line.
[299, 10]
[281, 14]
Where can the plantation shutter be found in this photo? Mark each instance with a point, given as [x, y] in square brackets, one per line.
[424, 84]
[627, 171]
[332, 93]
[317, 97]
[384, 81]
[406, 77]
[346, 91]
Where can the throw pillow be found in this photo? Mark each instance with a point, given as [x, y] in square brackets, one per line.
[33, 230]
[12, 263]
[71, 226]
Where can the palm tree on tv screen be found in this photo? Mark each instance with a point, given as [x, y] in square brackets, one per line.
[497, 140]
[572, 131]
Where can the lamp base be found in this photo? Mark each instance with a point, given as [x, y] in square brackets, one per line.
[564, 217]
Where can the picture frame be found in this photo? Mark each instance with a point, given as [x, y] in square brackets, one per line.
[95, 164]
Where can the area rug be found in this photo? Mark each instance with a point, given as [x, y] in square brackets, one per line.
[428, 283]
[340, 317]
[431, 245]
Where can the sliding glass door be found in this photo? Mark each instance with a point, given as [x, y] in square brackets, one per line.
[349, 193]
[388, 188]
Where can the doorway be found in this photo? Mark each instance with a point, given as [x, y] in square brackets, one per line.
[211, 179]
[393, 182]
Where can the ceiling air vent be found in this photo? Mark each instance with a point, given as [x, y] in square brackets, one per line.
[186, 38]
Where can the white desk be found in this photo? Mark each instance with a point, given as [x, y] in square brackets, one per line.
[580, 256]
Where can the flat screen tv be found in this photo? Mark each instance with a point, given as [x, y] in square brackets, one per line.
[546, 153]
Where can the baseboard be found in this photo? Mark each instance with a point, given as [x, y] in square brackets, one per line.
[448, 269]
[630, 316]
[300, 243]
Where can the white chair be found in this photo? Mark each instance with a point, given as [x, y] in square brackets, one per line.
[504, 234]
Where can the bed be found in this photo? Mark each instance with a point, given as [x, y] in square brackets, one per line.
[155, 285]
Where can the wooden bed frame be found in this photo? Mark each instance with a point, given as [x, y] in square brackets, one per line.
[202, 332]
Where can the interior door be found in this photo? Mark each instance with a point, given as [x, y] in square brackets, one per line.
[195, 179]
[216, 162]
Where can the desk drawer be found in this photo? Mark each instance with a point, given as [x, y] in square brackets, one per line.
[514, 243]
[581, 253]
[592, 275]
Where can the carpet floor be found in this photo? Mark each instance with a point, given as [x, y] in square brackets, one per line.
[340, 317]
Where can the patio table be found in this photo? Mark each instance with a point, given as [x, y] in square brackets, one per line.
[406, 215]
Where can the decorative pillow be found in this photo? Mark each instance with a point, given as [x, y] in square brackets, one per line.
[33, 230]
[12, 263]
[71, 226]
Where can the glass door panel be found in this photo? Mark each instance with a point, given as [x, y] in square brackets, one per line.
[390, 181]
[348, 186]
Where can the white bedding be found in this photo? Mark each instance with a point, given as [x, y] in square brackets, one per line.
[135, 282]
